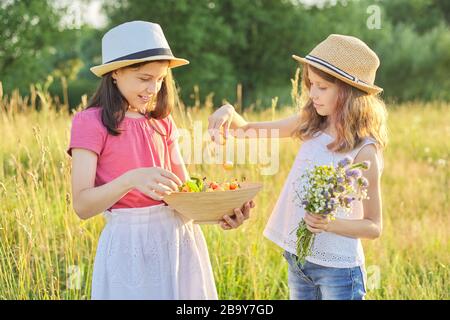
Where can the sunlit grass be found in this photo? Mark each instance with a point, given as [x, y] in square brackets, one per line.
[46, 252]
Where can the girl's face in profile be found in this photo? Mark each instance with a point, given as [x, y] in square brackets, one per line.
[140, 85]
[323, 94]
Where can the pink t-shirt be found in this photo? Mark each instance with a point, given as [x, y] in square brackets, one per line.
[139, 145]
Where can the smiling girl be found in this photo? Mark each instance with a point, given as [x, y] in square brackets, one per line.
[125, 158]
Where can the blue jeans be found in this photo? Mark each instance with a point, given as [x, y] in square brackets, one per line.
[311, 281]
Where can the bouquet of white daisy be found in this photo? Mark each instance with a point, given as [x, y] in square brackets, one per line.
[322, 190]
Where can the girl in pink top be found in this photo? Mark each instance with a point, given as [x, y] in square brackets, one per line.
[125, 158]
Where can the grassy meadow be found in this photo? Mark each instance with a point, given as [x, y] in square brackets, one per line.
[47, 252]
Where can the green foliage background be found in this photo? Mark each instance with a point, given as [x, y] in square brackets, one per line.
[230, 42]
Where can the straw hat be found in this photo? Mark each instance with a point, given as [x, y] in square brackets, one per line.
[134, 42]
[346, 58]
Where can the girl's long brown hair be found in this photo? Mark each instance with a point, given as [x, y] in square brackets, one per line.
[114, 105]
[359, 115]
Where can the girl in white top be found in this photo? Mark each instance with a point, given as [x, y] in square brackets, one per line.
[342, 115]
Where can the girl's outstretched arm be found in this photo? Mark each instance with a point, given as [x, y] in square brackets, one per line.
[227, 118]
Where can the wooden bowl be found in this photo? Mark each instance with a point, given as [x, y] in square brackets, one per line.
[210, 207]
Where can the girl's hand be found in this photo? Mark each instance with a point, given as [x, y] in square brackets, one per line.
[316, 223]
[240, 216]
[154, 182]
[222, 117]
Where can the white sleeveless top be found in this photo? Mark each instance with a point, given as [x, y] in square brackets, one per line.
[329, 249]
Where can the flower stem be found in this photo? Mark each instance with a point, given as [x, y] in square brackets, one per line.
[305, 239]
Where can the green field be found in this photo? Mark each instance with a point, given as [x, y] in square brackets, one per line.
[47, 252]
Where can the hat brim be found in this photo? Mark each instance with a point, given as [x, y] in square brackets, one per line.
[102, 69]
[371, 89]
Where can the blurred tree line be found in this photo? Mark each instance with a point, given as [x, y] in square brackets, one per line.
[232, 42]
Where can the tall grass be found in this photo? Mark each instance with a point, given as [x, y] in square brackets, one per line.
[46, 252]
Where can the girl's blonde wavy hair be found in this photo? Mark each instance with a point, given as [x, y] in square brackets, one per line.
[358, 115]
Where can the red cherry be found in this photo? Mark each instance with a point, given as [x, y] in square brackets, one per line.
[213, 185]
[233, 186]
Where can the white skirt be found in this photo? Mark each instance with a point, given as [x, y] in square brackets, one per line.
[151, 253]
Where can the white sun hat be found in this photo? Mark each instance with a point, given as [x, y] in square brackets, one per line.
[134, 42]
